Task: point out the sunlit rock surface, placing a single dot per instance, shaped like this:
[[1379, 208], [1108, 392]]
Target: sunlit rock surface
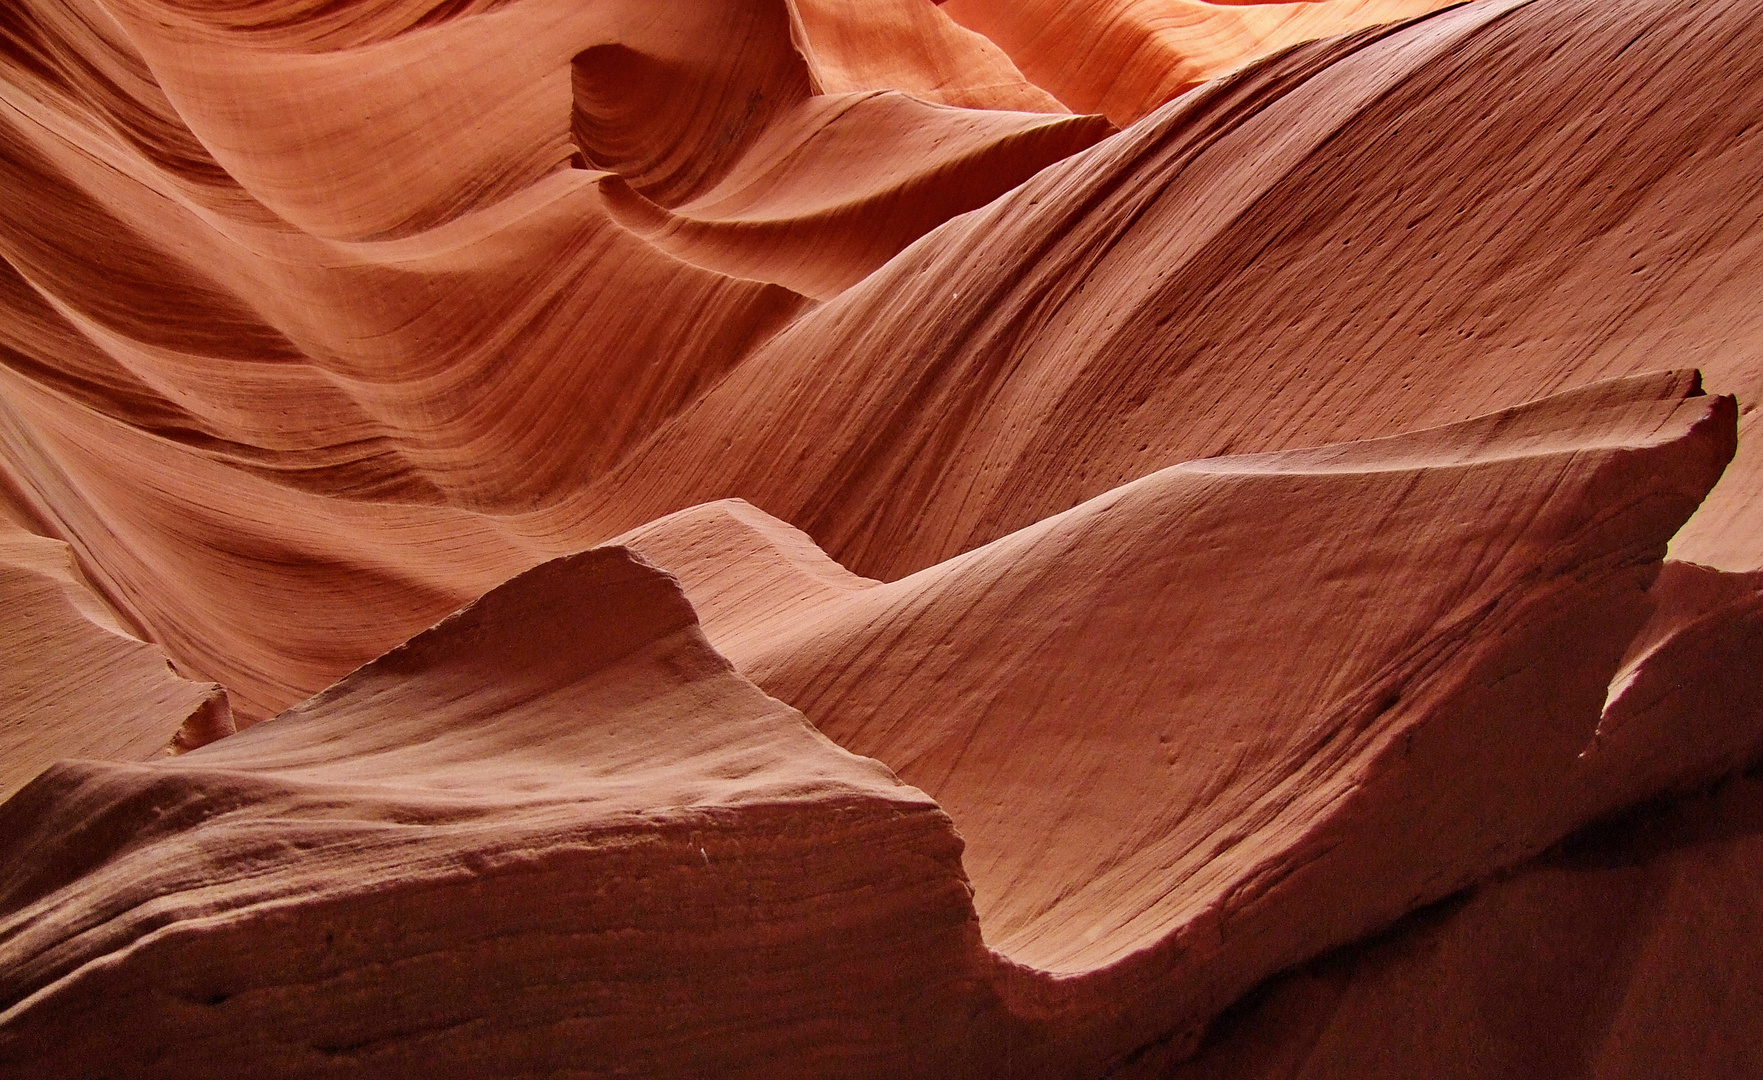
[[817, 538]]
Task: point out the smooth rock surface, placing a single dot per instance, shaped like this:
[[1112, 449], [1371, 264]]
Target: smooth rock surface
[[875, 538]]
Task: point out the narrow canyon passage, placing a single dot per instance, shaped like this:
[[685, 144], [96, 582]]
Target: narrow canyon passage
[[834, 538]]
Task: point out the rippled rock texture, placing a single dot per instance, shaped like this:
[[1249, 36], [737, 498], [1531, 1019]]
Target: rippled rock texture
[[829, 538]]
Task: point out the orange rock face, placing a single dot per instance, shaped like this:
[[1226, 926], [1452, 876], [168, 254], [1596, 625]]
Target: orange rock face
[[817, 538]]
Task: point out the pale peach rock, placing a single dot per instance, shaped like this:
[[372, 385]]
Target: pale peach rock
[[862, 537]]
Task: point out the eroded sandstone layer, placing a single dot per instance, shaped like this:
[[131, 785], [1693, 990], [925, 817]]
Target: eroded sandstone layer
[[833, 538]]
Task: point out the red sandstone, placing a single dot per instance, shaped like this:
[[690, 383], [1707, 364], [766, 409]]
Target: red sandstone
[[832, 538]]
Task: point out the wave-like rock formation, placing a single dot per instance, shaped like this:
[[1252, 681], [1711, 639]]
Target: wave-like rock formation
[[835, 538], [1123, 58], [110, 694], [566, 759]]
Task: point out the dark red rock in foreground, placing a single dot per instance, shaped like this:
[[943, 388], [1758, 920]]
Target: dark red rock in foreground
[[894, 577], [535, 795], [1627, 952]]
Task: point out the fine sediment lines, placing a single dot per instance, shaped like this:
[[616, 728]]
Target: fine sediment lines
[[554, 831], [1190, 547], [1246, 704], [940, 403], [1124, 58], [1360, 237], [280, 303], [1207, 803], [78, 684], [1346, 240]]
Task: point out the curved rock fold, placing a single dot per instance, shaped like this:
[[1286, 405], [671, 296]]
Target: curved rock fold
[[878, 538]]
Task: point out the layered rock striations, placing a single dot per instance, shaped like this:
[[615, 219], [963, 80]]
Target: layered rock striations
[[802, 537], [78, 683], [570, 727]]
